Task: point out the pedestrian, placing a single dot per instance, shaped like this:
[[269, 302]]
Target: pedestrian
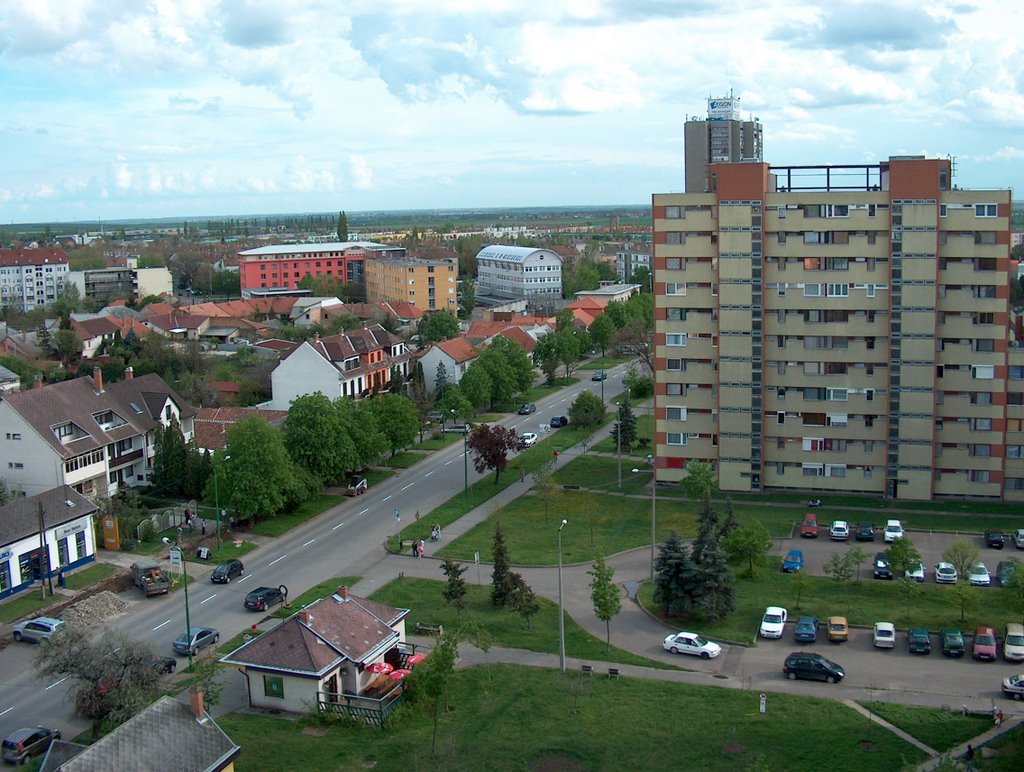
[[522, 474], [999, 717], [203, 523], [415, 549], [423, 546], [61, 580], [969, 753]]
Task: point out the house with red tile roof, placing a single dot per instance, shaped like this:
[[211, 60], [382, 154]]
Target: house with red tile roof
[[211, 424], [94, 333], [178, 326], [456, 354]]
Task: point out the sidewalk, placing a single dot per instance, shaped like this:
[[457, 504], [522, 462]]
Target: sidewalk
[[957, 753]]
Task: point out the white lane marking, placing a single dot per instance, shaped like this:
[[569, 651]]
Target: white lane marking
[[210, 598], [309, 542], [7, 711], [341, 524], [384, 499], [408, 486], [56, 683], [165, 622], [244, 578], [448, 462], [278, 560], [428, 474]]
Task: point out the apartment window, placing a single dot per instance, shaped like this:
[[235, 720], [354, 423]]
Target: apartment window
[[673, 213], [813, 290], [1013, 451], [675, 438], [780, 417], [984, 237], [979, 475], [13, 436], [981, 424], [782, 393], [1016, 373], [675, 237], [814, 470], [837, 419], [674, 365], [675, 413], [981, 451], [675, 288], [869, 421], [675, 264], [837, 395], [985, 210], [835, 470], [984, 345], [838, 290], [675, 314], [674, 389], [675, 339], [943, 208], [1012, 484], [983, 372], [782, 237]]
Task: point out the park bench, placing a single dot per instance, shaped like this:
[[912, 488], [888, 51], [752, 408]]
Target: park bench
[[429, 629]]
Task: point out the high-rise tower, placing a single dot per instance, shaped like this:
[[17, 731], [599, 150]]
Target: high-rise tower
[[722, 138]]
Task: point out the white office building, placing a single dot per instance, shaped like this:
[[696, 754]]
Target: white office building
[[518, 272]]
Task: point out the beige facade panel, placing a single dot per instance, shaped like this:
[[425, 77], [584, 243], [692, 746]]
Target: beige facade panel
[[915, 484], [959, 484]]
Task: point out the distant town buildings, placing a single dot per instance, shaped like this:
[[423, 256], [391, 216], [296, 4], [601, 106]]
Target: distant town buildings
[[631, 257], [724, 137], [283, 266], [518, 272], [430, 285], [31, 277], [128, 282]]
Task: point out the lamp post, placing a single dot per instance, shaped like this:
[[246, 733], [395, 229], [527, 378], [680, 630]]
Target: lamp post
[[561, 615], [465, 457], [654, 508], [216, 498], [184, 572], [618, 439]]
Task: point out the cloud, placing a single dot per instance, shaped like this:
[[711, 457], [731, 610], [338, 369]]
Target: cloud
[[362, 174], [255, 24]]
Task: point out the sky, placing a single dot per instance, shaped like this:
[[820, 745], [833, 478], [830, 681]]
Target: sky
[[167, 108]]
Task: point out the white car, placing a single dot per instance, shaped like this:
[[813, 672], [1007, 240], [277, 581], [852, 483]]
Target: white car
[[945, 573], [773, 622], [528, 438], [979, 576], [691, 643], [915, 571], [885, 635], [893, 531], [840, 530]]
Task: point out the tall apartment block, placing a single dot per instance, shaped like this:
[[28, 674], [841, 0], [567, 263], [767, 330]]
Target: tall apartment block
[[30, 278], [428, 284], [838, 328], [722, 138]]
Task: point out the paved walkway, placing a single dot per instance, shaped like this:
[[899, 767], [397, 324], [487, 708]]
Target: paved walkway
[[876, 719], [977, 742]]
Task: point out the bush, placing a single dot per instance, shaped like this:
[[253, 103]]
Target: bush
[[587, 410], [301, 486], [640, 386]]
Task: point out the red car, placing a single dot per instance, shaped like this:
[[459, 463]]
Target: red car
[[809, 527], [984, 644]]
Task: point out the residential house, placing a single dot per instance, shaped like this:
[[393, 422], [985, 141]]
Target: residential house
[[9, 381], [482, 333], [309, 311], [94, 332], [178, 325], [456, 355], [609, 291], [211, 424]]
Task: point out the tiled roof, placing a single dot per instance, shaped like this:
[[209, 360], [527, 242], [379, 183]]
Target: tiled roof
[[158, 309], [20, 518], [403, 310], [459, 349], [276, 344], [94, 328], [176, 321], [589, 302], [520, 336], [38, 256], [211, 424]]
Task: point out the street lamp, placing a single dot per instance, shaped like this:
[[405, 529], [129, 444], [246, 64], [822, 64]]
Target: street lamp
[[216, 499], [465, 456], [184, 572], [618, 438], [654, 506], [561, 614]]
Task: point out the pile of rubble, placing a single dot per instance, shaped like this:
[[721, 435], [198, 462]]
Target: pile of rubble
[[96, 608]]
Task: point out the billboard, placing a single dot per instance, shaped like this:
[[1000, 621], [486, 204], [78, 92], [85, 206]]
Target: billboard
[[725, 109]]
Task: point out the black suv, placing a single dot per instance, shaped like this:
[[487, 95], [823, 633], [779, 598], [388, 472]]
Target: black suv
[[263, 598], [558, 421], [994, 538], [881, 566], [526, 408], [803, 664], [226, 571]]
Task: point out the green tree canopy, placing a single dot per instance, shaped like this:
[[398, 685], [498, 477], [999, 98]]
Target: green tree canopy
[[317, 439], [605, 595], [749, 544], [397, 419], [601, 332], [438, 326], [587, 409], [476, 385], [254, 469]]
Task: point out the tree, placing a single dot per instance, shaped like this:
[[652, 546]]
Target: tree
[[605, 595], [431, 676], [636, 339], [441, 381], [170, 458], [857, 558], [454, 404], [316, 439], [907, 589], [903, 556], [700, 482], [547, 356], [840, 569], [544, 485], [455, 591], [522, 598], [114, 677], [69, 300], [674, 578], [962, 554], [490, 445], [500, 587], [966, 598], [467, 297], [397, 419], [342, 228], [67, 345], [587, 410], [476, 385], [750, 544], [509, 368], [601, 332], [253, 470], [713, 588], [1015, 586], [226, 283], [624, 430], [360, 422], [572, 344], [438, 326]]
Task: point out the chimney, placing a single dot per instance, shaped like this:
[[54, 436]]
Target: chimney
[[97, 378], [195, 699], [129, 373], [316, 338], [37, 381], [343, 592], [304, 617]]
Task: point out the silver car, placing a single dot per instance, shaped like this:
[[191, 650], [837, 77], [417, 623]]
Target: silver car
[[38, 630]]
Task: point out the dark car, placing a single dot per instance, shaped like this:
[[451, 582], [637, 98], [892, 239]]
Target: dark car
[[881, 566], [806, 630], [1004, 571], [865, 532], [952, 641], [558, 421], [526, 408], [194, 639], [919, 641], [226, 571], [600, 375], [994, 538], [263, 598], [803, 664], [22, 744]]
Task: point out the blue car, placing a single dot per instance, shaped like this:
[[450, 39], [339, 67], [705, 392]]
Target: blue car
[[806, 629], [794, 561]]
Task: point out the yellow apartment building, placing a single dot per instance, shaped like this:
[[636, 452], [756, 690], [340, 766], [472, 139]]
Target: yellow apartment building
[[430, 285]]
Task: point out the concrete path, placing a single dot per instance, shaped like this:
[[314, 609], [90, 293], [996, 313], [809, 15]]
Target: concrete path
[[977, 743], [876, 719]]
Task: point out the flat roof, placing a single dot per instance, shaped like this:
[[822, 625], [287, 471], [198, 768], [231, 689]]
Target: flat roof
[[331, 246]]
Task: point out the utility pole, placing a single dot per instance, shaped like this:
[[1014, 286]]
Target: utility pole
[[44, 556]]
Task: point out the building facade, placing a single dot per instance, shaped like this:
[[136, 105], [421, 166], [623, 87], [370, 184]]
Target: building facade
[[283, 266], [838, 329], [629, 258], [429, 285], [518, 272], [723, 138], [30, 278], [129, 283]]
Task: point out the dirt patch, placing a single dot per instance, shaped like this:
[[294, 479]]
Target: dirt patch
[[735, 748], [315, 731], [867, 745], [557, 762]]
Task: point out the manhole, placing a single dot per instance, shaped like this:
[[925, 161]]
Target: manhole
[[722, 676]]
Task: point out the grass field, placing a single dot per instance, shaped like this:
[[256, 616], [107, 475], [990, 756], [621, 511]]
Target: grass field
[[938, 729], [515, 718], [404, 460], [285, 521], [1009, 750], [644, 431], [604, 363]]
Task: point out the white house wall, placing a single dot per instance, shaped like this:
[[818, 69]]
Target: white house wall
[[429, 364], [303, 372], [40, 465], [14, 556]]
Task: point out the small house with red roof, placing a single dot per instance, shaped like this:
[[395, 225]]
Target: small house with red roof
[[456, 354], [179, 326], [211, 424]]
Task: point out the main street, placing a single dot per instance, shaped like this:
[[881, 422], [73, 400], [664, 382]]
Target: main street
[[337, 543]]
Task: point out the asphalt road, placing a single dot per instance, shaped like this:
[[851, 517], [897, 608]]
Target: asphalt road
[[337, 543]]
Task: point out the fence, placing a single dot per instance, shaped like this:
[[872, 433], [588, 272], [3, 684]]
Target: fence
[[172, 517]]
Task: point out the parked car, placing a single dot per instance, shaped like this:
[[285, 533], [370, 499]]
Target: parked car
[[809, 527], [194, 639], [994, 538], [915, 571], [952, 642], [984, 644], [1013, 643], [803, 664], [691, 643], [865, 532], [434, 416], [1018, 538], [794, 561], [979, 575], [600, 375], [838, 629], [840, 530], [357, 486], [558, 421], [773, 622], [1013, 686], [38, 630], [1004, 571], [528, 438], [945, 573], [226, 571], [22, 744], [263, 598], [884, 636], [893, 531], [806, 630], [919, 641], [880, 566], [526, 408]]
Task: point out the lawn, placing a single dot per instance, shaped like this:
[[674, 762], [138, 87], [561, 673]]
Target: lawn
[[506, 717], [321, 590], [285, 521], [439, 442], [604, 363], [504, 628], [404, 460], [644, 431], [81, 578], [941, 730], [1009, 748]]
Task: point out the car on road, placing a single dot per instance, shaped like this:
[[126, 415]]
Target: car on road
[[194, 639], [1013, 643], [357, 486], [691, 643], [806, 630], [22, 744], [526, 408], [919, 641], [558, 421], [884, 636], [1018, 538], [528, 438], [1013, 686], [1004, 571], [809, 527], [880, 566], [984, 644], [915, 571], [263, 598], [865, 532], [794, 561], [945, 573], [979, 575], [38, 630], [804, 664], [773, 622], [840, 530], [600, 375], [994, 538], [838, 629], [951, 640], [226, 571], [893, 531]]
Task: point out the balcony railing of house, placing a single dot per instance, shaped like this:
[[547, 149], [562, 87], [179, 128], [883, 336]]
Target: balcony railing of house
[[375, 711]]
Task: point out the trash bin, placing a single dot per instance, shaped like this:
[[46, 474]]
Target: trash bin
[[203, 553]]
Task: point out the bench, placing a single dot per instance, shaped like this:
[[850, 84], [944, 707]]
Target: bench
[[613, 672], [587, 669], [429, 629]]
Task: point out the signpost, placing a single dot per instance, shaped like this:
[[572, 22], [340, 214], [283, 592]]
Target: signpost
[[398, 518], [476, 559], [764, 702]]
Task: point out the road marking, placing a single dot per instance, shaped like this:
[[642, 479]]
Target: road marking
[[244, 578], [408, 486], [167, 621], [7, 711], [56, 683], [428, 474], [278, 560], [210, 598], [448, 462], [384, 499], [309, 542], [341, 524]]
